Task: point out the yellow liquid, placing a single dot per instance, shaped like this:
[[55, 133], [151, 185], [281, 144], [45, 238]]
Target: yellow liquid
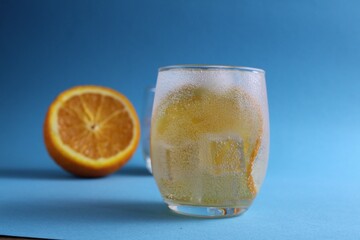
[[203, 146]]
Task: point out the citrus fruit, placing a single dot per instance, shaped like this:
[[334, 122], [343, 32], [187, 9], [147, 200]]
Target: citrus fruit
[[91, 131]]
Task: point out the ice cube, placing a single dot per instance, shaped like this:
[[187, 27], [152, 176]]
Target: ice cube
[[223, 177], [160, 156], [221, 154], [175, 169], [210, 80], [175, 162]]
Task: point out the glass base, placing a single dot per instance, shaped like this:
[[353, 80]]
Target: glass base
[[148, 164], [207, 212]]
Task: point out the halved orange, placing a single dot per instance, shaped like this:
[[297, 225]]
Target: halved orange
[[91, 131]]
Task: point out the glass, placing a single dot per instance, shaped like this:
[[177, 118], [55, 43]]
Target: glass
[[146, 123], [209, 138]]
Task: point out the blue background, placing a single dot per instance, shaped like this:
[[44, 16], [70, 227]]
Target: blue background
[[311, 53]]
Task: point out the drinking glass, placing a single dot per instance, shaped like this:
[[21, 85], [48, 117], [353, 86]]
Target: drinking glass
[[209, 138], [146, 123]]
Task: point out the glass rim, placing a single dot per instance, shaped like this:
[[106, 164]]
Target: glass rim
[[210, 66]]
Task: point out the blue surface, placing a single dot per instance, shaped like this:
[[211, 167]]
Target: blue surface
[[127, 206], [310, 50]]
